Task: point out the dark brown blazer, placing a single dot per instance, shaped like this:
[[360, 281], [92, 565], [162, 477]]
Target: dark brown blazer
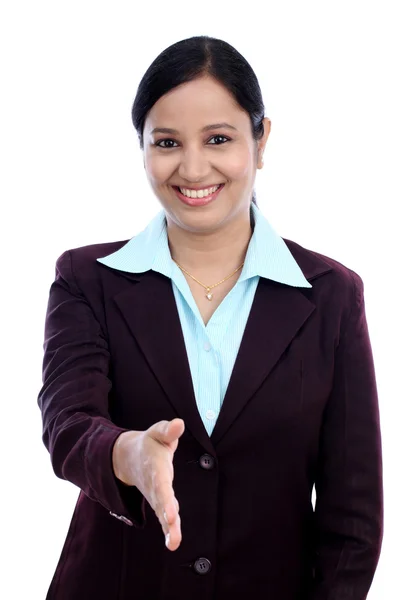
[[301, 409]]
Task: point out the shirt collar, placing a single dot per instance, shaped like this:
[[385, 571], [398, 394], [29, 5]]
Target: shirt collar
[[267, 254]]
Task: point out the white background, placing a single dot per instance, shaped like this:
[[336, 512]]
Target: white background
[[72, 175]]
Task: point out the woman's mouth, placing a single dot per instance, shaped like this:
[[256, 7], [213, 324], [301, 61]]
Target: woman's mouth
[[208, 195]]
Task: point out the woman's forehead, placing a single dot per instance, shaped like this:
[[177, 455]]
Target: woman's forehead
[[196, 104], [202, 92]]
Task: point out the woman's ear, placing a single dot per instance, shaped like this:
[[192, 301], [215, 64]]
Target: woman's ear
[[262, 142]]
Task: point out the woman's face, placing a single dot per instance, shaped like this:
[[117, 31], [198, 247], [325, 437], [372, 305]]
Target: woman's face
[[209, 143]]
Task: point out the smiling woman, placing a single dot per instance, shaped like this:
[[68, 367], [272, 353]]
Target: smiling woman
[[199, 115], [210, 370], [223, 84]]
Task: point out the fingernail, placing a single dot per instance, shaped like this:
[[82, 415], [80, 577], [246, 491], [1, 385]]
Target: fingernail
[[167, 539]]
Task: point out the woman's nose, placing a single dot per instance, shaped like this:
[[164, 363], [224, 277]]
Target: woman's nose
[[193, 166]]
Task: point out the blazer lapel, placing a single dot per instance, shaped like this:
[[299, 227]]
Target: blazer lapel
[[149, 308], [148, 305], [277, 313]]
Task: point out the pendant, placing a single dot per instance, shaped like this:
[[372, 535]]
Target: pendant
[[209, 295]]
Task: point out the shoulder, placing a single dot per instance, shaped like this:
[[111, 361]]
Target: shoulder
[[78, 270], [89, 253], [83, 259], [326, 273]]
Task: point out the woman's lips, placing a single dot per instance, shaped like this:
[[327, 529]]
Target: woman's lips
[[197, 201]]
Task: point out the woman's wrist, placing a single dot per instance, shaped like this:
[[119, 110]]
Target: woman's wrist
[[122, 446]]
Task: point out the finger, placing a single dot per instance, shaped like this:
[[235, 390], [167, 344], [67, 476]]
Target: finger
[[170, 516], [161, 482], [175, 535], [169, 519], [165, 505], [171, 512], [165, 527]]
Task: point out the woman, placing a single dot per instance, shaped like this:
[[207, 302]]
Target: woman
[[201, 377]]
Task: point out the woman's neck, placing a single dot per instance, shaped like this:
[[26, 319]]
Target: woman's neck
[[213, 255]]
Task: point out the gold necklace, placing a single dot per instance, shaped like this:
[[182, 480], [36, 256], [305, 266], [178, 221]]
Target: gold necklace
[[208, 288]]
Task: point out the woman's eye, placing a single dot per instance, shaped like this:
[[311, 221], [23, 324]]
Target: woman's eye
[[161, 141], [216, 137]]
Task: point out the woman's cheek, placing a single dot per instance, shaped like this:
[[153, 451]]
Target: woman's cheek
[[237, 165], [159, 171]]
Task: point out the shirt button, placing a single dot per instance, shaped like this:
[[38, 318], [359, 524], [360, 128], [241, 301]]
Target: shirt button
[[210, 414], [207, 346]]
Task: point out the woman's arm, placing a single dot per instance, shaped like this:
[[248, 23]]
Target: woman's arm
[[77, 429], [349, 505]]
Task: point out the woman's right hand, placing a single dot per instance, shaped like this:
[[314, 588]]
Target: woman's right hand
[[145, 459]]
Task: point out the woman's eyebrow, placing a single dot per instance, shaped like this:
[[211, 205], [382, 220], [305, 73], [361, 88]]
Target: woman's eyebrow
[[206, 128]]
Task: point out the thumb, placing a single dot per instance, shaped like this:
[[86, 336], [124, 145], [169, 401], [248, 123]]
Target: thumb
[[169, 431]]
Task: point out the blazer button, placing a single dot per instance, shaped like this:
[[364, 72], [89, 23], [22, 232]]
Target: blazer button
[[207, 461], [202, 566]]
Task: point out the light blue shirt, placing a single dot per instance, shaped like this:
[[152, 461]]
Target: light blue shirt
[[211, 349]]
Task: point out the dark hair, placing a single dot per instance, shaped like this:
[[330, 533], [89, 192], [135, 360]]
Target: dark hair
[[190, 59]]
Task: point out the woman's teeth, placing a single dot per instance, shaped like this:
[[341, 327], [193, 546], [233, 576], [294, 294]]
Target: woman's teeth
[[199, 193]]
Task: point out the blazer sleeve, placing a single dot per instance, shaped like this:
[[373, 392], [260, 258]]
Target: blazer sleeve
[[77, 429], [349, 491]]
